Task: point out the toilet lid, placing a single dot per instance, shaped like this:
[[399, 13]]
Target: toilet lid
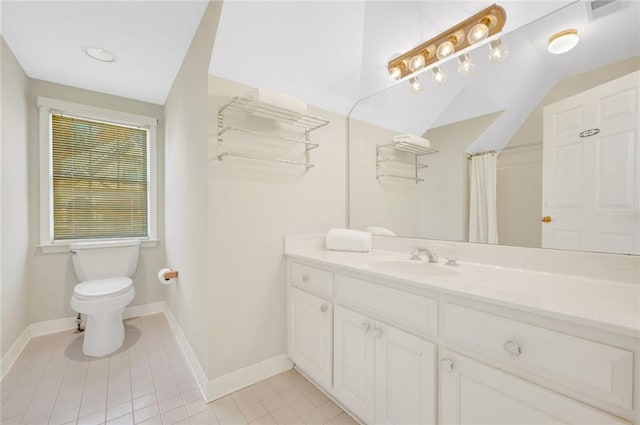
[[102, 288]]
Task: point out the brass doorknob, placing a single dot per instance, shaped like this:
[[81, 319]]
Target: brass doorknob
[[546, 219]]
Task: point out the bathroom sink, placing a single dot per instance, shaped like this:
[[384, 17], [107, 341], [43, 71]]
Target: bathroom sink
[[417, 268]]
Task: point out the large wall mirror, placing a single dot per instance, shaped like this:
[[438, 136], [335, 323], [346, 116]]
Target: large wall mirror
[[553, 139]]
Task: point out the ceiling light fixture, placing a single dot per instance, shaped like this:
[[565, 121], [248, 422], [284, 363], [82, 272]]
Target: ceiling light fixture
[[98, 53], [465, 65], [563, 41], [416, 85], [439, 76], [497, 51], [478, 27]]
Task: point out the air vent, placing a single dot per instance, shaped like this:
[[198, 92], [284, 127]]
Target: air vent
[[600, 8]]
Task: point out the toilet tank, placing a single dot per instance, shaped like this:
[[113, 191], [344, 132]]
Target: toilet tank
[[102, 260]]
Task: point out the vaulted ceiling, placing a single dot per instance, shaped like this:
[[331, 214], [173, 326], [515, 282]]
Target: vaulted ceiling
[[148, 38]]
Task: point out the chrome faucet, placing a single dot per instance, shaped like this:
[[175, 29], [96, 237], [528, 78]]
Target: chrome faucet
[[417, 250]]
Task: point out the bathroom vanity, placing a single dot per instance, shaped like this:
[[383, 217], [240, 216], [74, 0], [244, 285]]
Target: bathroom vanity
[[396, 341]]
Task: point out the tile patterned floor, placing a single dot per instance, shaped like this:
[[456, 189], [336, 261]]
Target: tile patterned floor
[[147, 381]]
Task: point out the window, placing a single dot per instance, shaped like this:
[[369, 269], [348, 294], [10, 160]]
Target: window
[[98, 179]]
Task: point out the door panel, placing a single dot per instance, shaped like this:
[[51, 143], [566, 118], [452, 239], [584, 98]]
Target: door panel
[[591, 185], [310, 335], [354, 362], [405, 378]]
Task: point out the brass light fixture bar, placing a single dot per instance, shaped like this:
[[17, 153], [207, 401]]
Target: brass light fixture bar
[[483, 24]]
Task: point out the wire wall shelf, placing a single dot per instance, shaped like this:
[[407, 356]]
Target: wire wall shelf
[[413, 150], [302, 123]]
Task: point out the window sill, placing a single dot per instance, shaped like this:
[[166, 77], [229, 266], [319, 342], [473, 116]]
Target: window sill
[[62, 247]]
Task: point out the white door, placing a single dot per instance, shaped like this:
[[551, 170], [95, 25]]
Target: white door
[[405, 378], [310, 335], [591, 184], [474, 393], [354, 362]]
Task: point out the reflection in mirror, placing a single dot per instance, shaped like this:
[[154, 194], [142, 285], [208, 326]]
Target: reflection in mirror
[[539, 150]]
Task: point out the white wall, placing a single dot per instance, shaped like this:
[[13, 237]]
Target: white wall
[[186, 187], [14, 202], [445, 196], [387, 202], [51, 276], [252, 205]]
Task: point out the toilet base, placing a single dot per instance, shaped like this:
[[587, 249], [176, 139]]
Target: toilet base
[[104, 333], [104, 330]]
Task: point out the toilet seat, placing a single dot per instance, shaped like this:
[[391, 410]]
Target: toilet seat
[[101, 288]]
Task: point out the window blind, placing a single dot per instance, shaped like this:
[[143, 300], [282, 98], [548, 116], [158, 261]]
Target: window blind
[[99, 179]]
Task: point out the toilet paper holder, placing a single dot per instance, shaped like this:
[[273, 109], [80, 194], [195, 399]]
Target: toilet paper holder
[[171, 274]]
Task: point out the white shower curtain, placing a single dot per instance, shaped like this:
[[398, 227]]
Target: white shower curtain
[[483, 222]]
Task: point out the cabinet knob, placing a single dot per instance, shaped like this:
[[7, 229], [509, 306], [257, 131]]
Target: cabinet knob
[[546, 219], [365, 326], [324, 307], [512, 348], [305, 277], [377, 332], [447, 365]]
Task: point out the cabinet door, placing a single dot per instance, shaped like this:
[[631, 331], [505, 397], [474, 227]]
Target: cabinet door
[[310, 334], [405, 378], [354, 367], [474, 393]]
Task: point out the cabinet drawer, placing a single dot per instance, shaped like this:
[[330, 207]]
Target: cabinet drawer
[[409, 311], [597, 370], [312, 279]]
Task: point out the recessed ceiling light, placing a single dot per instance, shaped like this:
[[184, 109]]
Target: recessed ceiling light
[[563, 41], [98, 53]]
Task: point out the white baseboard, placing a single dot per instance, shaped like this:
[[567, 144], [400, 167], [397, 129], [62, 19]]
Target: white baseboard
[[144, 309], [189, 354], [12, 354], [241, 378]]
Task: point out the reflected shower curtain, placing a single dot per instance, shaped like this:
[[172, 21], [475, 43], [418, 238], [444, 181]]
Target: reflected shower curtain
[[483, 221]]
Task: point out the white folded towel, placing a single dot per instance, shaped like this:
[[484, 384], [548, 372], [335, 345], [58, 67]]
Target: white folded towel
[[348, 240], [278, 99], [413, 139], [380, 231]]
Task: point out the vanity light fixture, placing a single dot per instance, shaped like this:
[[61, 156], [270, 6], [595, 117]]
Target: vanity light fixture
[[416, 85], [497, 51], [99, 54], [439, 76], [465, 65], [478, 27], [563, 41]]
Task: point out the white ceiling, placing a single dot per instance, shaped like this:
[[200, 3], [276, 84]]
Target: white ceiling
[[149, 39], [332, 53]]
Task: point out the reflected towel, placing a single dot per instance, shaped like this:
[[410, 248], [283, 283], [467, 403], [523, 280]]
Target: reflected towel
[[413, 139], [348, 240]]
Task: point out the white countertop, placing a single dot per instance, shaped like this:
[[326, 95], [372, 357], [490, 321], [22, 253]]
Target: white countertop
[[608, 305]]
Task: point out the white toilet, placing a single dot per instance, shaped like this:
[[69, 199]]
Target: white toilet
[[104, 270]]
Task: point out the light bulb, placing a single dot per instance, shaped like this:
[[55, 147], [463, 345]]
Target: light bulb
[[497, 51], [563, 41], [445, 49], [477, 33], [417, 62], [395, 72], [465, 65], [439, 76], [416, 85]]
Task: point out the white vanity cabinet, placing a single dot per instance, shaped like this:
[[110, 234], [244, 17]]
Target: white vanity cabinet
[[382, 374], [390, 354], [471, 392], [311, 335]]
